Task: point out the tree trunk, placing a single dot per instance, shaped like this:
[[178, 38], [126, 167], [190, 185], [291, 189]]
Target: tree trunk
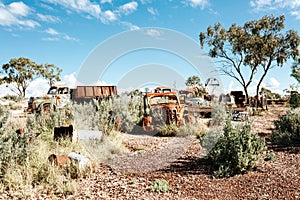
[[247, 95]]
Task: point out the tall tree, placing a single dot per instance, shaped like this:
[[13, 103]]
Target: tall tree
[[296, 70], [252, 49], [51, 72], [20, 72]]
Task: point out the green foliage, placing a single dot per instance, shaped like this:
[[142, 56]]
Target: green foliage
[[193, 81], [4, 114], [257, 45], [287, 128], [197, 129], [296, 70], [168, 130], [86, 117], [14, 149], [236, 151], [45, 122], [269, 94], [218, 115], [160, 185], [22, 71], [127, 108], [294, 100]]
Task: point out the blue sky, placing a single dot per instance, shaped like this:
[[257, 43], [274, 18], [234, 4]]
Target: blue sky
[[66, 32]]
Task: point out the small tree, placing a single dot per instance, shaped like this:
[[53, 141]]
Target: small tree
[[22, 71], [257, 46], [195, 83], [51, 72]]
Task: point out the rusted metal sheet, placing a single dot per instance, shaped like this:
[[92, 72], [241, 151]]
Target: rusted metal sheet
[[95, 91]]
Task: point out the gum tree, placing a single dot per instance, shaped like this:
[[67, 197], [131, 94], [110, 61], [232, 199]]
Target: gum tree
[[296, 70], [21, 71], [195, 83], [250, 51]]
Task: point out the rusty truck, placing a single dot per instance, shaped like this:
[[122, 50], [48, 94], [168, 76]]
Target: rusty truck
[[161, 107], [60, 95]]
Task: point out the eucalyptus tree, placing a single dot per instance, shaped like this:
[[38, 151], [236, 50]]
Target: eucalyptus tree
[[250, 51], [20, 72]]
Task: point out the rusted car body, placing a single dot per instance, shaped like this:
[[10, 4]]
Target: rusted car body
[[161, 108]]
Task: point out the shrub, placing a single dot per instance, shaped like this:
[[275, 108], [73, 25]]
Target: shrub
[[127, 108], [197, 129], [218, 114], [86, 117], [236, 151], [287, 128], [44, 122], [4, 114], [159, 186], [168, 130], [294, 100], [14, 150]]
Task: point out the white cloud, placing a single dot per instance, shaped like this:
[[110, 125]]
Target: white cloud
[[260, 5], [38, 87], [79, 6], [153, 32], [273, 83], [51, 31], [145, 1], [128, 8], [70, 80], [50, 39], [108, 16], [106, 1], [19, 8], [48, 18], [296, 14], [129, 25], [58, 36], [152, 11], [197, 3], [15, 14]]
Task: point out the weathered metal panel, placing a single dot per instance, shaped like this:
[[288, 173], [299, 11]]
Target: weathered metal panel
[[95, 91]]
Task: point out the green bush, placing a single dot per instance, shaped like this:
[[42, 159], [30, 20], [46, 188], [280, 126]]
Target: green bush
[[236, 151], [86, 117], [127, 108], [159, 186], [294, 100], [218, 114], [14, 150], [168, 130], [287, 128]]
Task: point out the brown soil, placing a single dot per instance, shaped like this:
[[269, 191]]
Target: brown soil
[[178, 160]]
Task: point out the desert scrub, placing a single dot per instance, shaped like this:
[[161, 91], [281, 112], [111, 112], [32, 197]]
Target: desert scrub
[[218, 115], [160, 186], [44, 122], [86, 117], [294, 100], [126, 108], [237, 150], [106, 148], [287, 128], [14, 150], [4, 114], [35, 175], [196, 129], [168, 130]]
